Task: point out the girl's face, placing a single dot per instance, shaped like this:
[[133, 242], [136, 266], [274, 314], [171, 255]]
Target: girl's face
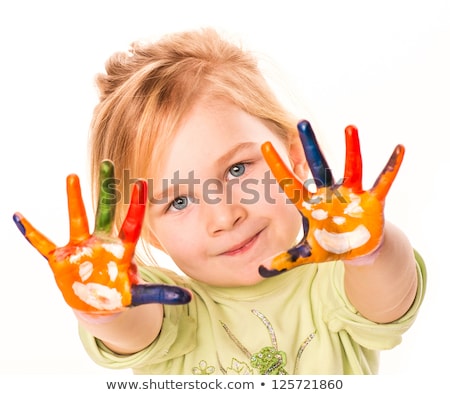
[[217, 210]]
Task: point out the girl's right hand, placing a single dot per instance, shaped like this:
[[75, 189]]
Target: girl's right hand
[[96, 272]]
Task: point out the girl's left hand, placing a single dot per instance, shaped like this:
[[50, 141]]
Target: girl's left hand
[[340, 220]]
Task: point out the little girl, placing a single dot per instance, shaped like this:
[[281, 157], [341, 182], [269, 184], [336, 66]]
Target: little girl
[[186, 116]]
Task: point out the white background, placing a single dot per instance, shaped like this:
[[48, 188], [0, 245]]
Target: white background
[[383, 66]]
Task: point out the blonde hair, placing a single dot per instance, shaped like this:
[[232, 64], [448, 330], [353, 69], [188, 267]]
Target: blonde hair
[[147, 90]]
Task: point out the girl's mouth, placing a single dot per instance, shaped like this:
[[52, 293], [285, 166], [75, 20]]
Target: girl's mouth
[[242, 247]]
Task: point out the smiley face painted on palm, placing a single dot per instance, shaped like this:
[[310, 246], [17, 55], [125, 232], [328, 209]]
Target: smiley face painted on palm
[[341, 220], [96, 272]]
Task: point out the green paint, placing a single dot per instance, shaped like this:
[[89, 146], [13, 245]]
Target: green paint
[[107, 199]]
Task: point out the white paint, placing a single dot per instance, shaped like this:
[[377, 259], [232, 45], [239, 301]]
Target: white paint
[[338, 220], [80, 252], [319, 214], [85, 270], [306, 205], [98, 295], [116, 249], [338, 243], [113, 270], [354, 209]]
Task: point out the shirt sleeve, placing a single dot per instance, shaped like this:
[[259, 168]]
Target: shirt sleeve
[[344, 317], [175, 339]]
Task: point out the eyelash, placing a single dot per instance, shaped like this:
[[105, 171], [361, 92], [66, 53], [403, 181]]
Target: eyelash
[[172, 207]]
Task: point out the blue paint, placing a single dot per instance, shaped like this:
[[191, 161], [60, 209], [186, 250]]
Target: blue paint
[[19, 224], [266, 273], [302, 250], [158, 293], [316, 161]]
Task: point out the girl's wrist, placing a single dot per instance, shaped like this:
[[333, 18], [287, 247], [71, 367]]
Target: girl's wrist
[[367, 259], [96, 318]]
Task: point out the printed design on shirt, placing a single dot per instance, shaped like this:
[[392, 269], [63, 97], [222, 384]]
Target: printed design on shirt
[[203, 369], [237, 367], [267, 361]]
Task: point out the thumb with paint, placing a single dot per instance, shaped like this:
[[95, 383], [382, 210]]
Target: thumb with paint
[[340, 220], [96, 273]]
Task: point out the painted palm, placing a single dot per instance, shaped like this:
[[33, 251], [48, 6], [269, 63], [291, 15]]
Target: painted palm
[[340, 220], [96, 272]]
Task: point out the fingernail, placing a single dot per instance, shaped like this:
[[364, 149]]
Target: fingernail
[[17, 220]]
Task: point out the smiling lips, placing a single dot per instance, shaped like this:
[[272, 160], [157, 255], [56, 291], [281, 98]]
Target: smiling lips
[[242, 247]]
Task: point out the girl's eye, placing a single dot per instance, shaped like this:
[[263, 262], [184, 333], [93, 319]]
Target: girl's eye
[[179, 203], [237, 170]]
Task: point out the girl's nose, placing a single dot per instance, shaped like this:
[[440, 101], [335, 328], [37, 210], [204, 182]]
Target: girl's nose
[[223, 216]]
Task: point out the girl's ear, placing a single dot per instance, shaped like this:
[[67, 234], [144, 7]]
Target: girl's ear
[[298, 159]]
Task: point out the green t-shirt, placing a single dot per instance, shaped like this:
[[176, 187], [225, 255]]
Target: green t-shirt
[[299, 322]]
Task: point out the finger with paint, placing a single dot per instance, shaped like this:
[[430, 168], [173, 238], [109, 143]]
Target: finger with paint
[[96, 272], [340, 220]]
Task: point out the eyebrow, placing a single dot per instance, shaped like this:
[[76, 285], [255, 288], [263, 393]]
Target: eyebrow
[[226, 158]]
